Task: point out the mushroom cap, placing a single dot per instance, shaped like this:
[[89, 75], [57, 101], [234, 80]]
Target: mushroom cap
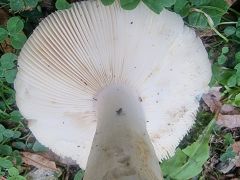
[[75, 53]]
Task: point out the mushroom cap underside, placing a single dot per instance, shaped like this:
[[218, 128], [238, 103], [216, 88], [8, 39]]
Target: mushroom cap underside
[[73, 54]]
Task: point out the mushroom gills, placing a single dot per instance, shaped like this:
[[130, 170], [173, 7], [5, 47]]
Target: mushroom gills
[[121, 148], [95, 68]]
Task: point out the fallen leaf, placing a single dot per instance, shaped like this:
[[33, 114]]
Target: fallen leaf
[[3, 17], [38, 161], [6, 46], [236, 147], [229, 121], [212, 99], [205, 33], [229, 110]]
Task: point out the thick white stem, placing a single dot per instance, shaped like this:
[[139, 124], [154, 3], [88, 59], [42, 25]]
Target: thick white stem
[[121, 148]]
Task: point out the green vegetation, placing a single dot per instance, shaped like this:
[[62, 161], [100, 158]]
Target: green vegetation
[[20, 17], [226, 70], [188, 162]]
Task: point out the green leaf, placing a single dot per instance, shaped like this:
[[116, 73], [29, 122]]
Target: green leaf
[[174, 163], [17, 157], [5, 150], [129, 4], [228, 139], [187, 163], [16, 116], [237, 56], [2, 173], [13, 171], [4, 163], [238, 22], [225, 50], [10, 75], [238, 32], [19, 145], [2, 129], [214, 9], [18, 40], [11, 99], [237, 67], [107, 2], [18, 177], [7, 60], [237, 99], [229, 154], [198, 20], [232, 81], [167, 3], [17, 134], [3, 34], [1, 138], [31, 3], [221, 74], [222, 59], [238, 80], [8, 133], [79, 175], [15, 25], [17, 5], [62, 4], [37, 147], [200, 154], [182, 7], [154, 5], [200, 2], [29, 145], [229, 30]]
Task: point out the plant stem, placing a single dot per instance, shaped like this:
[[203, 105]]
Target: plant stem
[[211, 23], [235, 40], [225, 23], [234, 11]]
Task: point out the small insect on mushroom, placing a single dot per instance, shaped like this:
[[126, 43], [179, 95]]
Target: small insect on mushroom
[[119, 122]]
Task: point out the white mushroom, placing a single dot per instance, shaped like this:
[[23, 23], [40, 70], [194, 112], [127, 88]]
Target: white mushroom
[[133, 77]]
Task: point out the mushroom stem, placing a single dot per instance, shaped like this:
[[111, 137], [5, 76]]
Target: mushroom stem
[[121, 148]]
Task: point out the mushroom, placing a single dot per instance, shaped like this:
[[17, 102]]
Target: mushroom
[[114, 90]]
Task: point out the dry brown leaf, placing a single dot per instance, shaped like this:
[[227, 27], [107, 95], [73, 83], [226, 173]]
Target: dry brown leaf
[[205, 33], [6, 46], [236, 147], [229, 121], [229, 110], [212, 99], [3, 17], [38, 161]]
